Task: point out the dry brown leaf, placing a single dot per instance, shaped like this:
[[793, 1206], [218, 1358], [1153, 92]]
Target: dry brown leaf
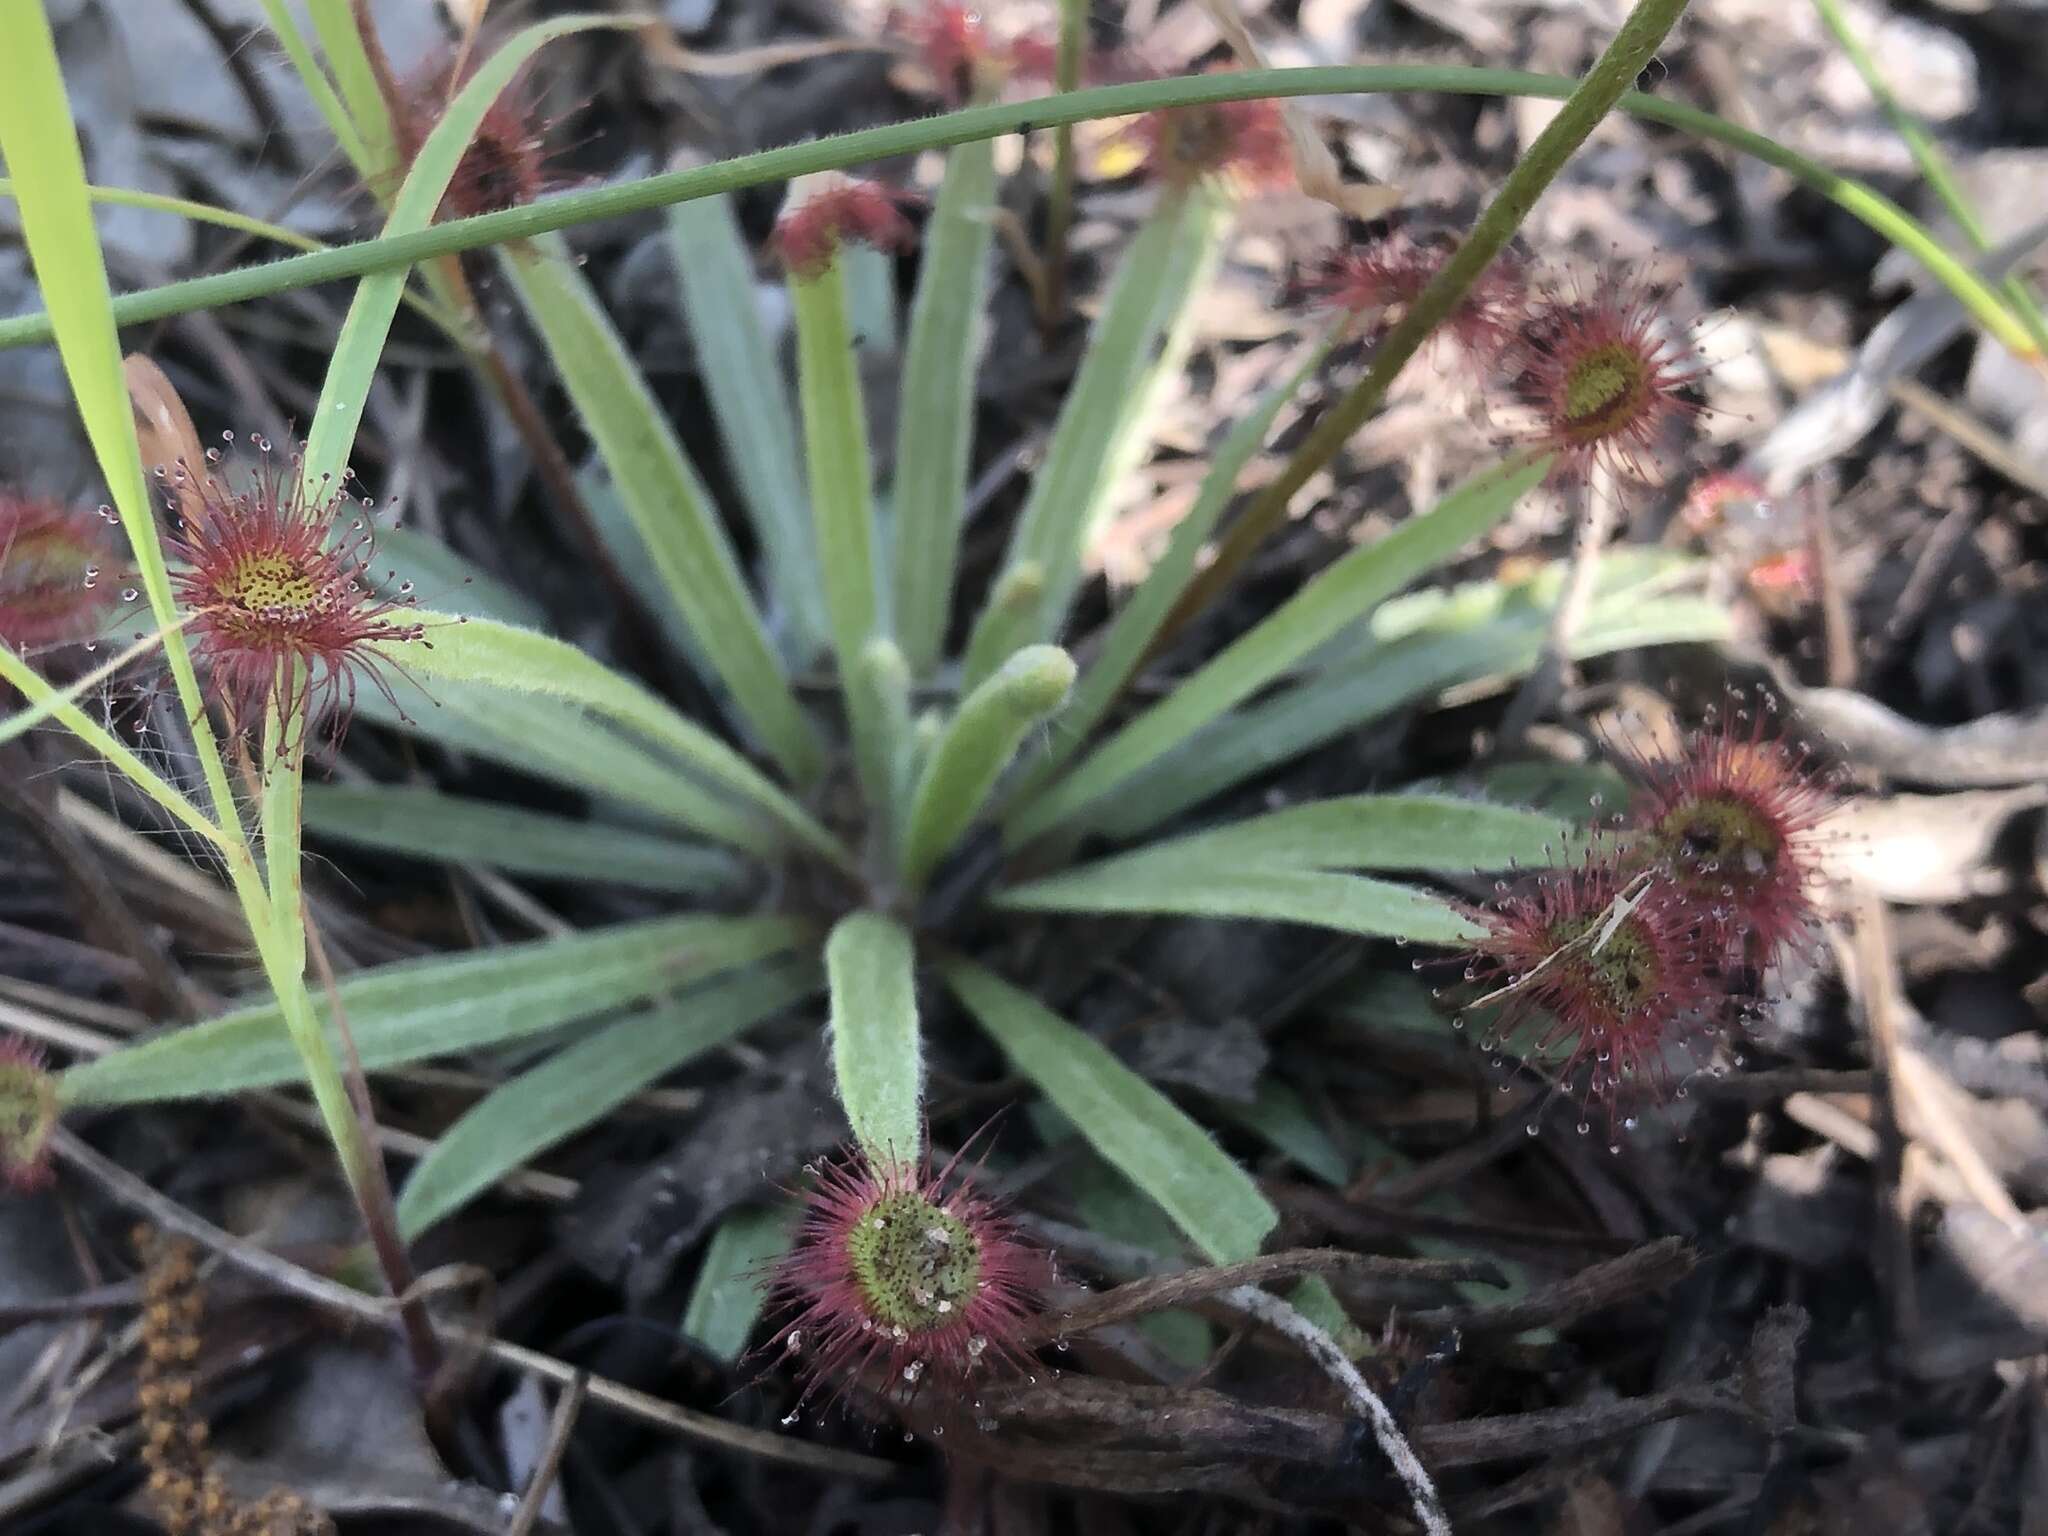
[[1314, 166]]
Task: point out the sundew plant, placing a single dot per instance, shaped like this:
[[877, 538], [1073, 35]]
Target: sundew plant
[[866, 861]]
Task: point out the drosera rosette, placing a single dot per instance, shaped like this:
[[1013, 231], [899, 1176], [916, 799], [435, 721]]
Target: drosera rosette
[[1373, 283], [830, 210], [506, 162], [28, 1115], [1606, 373], [1734, 820], [903, 1279], [58, 573], [1242, 144], [964, 55], [1766, 539], [274, 578], [1613, 962]]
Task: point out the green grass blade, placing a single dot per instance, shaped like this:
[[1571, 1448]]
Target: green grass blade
[[426, 824], [1092, 440], [1934, 166], [1366, 684], [577, 1087], [877, 1052], [49, 698], [356, 81], [1317, 898], [843, 151], [743, 378], [1137, 1129], [976, 746], [438, 1006], [345, 391], [731, 1289], [39, 142], [480, 651], [1337, 596], [318, 86], [842, 501], [42, 696], [1136, 624], [667, 502], [935, 417], [1110, 1205]]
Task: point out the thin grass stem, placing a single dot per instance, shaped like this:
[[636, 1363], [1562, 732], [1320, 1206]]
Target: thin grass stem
[[841, 151]]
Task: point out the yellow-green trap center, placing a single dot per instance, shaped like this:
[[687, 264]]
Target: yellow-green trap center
[[275, 586], [1719, 839], [1603, 389], [916, 1266], [1624, 972]]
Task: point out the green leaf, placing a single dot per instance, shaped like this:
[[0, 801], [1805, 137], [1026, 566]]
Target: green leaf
[[743, 378], [870, 299], [1136, 1128], [1278, 1114], [1579, 792], [883, 679], [1338, 595], [935, 418], [727, 1299], [438, 1006], [877, 1053], [1402, 832], [1105, 409], [977, 745], [578, 1086], [1109, 1204], [1347, 903], [426, 824], [335, 22], [550, 738], [842, 503], [321, 89], [481, 651], [659, 488], [447, 581], [1137, 623], [1463, 642]]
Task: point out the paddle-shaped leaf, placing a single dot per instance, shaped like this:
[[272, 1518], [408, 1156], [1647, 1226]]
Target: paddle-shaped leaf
[[577, 1087], [743, 379], [1337, 596], [1102, 417], [877, 1053], [437, 1006], [728, 1295], [935, 420], [660, 490], [426, 824], [1136, 1128], [482, 651]]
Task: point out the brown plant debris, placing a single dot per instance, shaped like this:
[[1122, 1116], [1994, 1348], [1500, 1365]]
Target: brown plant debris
[[185, 1491]]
